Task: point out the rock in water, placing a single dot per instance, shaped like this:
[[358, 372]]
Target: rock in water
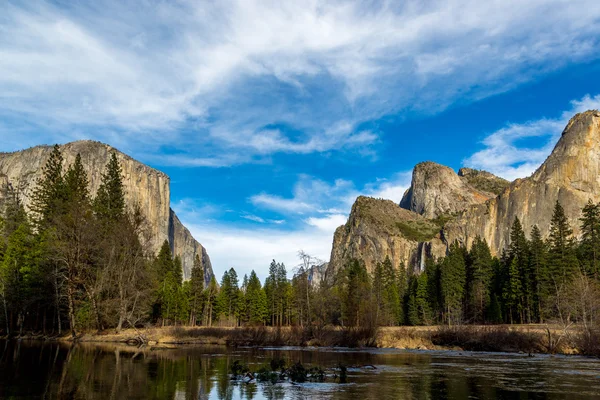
[[144, 186]]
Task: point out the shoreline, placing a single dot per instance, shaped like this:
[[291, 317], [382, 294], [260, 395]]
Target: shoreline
[[530, 339]]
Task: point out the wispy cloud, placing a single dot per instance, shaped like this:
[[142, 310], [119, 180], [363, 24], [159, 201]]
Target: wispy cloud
[[252, 217], [312, 214], [503, 154], [238, 76], [253, 249]]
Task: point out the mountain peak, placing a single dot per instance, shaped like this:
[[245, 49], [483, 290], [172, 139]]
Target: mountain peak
[[437, 190]]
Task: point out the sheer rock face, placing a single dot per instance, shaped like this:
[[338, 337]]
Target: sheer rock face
[[144, 186], [481, 204], [571, 175], [437, 190], [317, 274], [377, 229]]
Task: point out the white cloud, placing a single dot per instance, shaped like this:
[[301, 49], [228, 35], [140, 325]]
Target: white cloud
[[278, 203], [231, 77], [255, 218], [316, 209], [328, 223], [504, 156], [252, 249], [310, 195]]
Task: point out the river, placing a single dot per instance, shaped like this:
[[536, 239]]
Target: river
[[50, 370]]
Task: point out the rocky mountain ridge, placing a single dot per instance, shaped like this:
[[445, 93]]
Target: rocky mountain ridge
[[436, 190], [473, 203], [144, 186]]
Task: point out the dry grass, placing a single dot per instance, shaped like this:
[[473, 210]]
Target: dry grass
[[508, 338], [246, 336], [490, 338]]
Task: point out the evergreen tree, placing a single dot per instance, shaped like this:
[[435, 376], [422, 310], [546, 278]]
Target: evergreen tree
[[163, 264], [513, 292], [562, 260], [519, 251], [589, 248], [77, 193], [357, 289], [402, 285], [48, 194], [228, 297], [74, 241], [256, 307], [210, 302], [178, 270], [20, 277], [538, 261], [196, 291], [452, 283], [422, 299], [479, 278], [109, 203], [272, 292], [413, 316]]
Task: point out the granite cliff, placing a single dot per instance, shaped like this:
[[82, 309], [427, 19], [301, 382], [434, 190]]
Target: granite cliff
[[437, 190], [378, 228], [145, 186], [442, 207], [570, 175]]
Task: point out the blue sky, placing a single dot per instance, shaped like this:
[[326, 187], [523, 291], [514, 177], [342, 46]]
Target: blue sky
[[271, 117]]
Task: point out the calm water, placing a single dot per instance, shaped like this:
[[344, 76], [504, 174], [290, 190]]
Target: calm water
[[59, 371]]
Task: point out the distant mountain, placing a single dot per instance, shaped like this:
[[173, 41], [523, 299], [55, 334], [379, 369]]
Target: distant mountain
[[145, 186], [442, 207]]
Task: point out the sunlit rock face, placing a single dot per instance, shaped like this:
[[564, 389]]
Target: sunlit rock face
[[570, 175], [442, 207], [437, 190], [145, 187], [377, 229]]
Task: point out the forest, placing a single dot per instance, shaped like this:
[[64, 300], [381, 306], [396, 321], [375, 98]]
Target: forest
[[76, 262]]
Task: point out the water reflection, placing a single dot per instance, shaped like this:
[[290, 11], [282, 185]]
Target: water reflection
[[90, 371]]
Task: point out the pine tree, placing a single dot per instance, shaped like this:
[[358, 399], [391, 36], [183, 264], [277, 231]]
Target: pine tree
[[422, 299], [357, 289], [402, 285], [563, 262], [452, 283], [74, 240], [48, 194], [589, 247], [178, 270], [76, 186], [513, 291], [109, 203], [228, 297], [519, 250], [272, 292], [210, 302], [538, 261], [479, 277], [20, 276], [163, 264], [196, 291], [257, 310], [391, 293], [413, 316]]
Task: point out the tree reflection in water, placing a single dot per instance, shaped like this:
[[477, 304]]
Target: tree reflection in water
[[97, 371]]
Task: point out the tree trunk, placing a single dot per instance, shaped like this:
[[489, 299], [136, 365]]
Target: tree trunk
[[71, 302]]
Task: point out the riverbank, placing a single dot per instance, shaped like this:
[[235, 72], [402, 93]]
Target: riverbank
[[495, 338]]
